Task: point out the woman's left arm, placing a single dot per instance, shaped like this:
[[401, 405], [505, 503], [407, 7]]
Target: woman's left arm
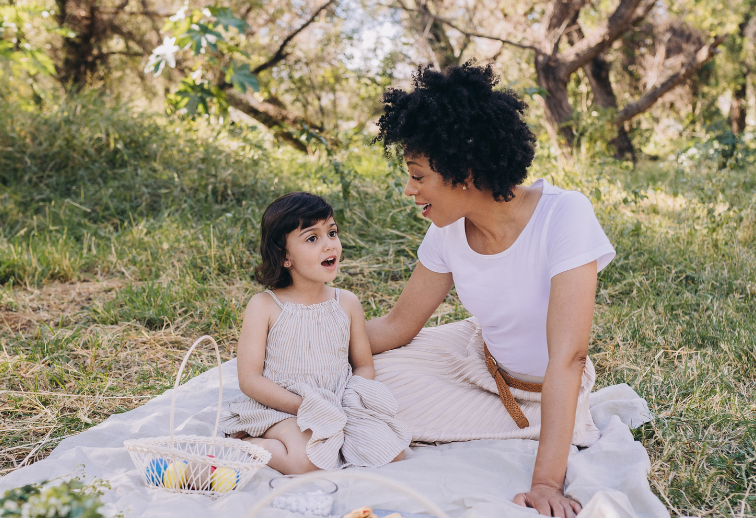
[[568, 327]]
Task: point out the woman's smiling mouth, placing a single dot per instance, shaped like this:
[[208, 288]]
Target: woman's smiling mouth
[[426, 209]]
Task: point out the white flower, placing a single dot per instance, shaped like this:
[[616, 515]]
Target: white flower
[[196, 75], [163, 54], [180, 15]]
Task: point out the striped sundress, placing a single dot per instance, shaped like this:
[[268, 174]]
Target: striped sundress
[[352, 418]]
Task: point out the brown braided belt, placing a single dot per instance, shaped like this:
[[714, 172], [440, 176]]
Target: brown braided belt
[[503, 382]]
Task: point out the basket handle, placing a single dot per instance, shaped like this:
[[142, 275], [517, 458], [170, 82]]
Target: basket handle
[[220, 384], [351, 475]]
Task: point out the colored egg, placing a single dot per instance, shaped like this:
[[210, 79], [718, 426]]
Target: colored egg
[[198, 476], [175, 475], [224, 479], [155, 470]]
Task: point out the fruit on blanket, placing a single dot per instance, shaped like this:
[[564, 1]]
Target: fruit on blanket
[[175, 475], [224, 480], [155, 470], [362, 512]]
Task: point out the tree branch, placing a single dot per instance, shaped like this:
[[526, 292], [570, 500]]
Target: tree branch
[[627, 13], [644, 103], [281, 54], [470, 34], [271, 116]]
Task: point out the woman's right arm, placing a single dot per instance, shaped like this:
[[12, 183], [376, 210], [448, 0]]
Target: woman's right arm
[[423, 293], [250, 358]]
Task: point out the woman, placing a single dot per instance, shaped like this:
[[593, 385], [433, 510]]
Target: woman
[[524, 260]]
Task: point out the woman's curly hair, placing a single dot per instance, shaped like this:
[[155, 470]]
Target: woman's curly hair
[[462, 125]]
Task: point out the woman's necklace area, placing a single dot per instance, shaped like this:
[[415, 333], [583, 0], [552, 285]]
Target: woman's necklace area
[[476, 239]]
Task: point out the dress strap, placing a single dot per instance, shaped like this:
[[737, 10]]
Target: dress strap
[[275, 298], [337, 294]]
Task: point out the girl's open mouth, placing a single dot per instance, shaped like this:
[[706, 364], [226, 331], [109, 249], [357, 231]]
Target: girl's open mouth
[[330, 262]]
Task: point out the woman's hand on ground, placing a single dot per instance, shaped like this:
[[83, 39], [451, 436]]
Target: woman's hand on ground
[[548, 501]]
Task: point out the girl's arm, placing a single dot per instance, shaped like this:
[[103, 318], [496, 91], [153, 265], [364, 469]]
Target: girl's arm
[[360, 355], [423, 293], [568, 327], [251, 358]]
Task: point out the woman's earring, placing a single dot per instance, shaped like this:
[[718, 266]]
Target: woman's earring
[[464, 187]]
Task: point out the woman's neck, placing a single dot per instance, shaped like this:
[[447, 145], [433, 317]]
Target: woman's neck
[[493, 226]]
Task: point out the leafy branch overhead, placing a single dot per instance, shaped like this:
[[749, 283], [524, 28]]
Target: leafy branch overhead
[[220, 73], [212, 36], [15, 46]]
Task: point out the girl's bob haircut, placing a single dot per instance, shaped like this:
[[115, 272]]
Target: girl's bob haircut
[[288, 213]]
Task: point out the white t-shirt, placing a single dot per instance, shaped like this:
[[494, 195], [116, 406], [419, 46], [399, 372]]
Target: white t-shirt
[[508, 292]]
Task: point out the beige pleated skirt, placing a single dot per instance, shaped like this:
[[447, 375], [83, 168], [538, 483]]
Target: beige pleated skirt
[[445, 392]]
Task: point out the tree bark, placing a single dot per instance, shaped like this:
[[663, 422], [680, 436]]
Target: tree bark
[[554, 68], [633, 109], [738, 103], [597, 72], [276, 118], [79, 62], [556, 103], [738, 106]]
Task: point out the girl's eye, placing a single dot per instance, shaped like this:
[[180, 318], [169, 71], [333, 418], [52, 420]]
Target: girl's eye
[[333, 233], [312, 239]]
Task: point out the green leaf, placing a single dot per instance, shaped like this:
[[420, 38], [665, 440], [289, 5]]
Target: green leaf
[[199, 36], [34, 61], [197, 98], [225, 18], [179, 27], [242, 78]]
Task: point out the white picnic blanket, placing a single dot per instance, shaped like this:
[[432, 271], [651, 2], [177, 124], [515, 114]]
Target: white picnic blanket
[[475, 479]]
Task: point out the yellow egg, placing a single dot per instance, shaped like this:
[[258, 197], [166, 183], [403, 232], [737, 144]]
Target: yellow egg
[[224, 479], [175, 475]]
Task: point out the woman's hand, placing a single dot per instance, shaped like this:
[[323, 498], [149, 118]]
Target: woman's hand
[[549, 501]]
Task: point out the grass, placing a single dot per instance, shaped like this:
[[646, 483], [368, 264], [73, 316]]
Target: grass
[[125, 237]]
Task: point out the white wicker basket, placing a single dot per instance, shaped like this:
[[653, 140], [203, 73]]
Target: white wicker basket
[[191, 464]]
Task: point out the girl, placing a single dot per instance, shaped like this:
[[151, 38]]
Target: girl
[[304, 359]]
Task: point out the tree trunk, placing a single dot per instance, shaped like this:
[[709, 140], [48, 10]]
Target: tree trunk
[[554, 68], [556, 104], [79, 62], [597, 71], [738, 102], [441, 45], [738, 107]]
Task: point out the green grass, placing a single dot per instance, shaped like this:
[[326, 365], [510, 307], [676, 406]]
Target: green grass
[[125, 236]]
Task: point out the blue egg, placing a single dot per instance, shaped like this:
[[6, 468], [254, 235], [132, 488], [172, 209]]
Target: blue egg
[[155, 471]]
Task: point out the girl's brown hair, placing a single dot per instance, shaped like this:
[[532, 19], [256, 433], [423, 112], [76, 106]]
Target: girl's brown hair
[[288, 213]]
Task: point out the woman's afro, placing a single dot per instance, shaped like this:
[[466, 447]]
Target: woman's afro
[[457, 120]]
